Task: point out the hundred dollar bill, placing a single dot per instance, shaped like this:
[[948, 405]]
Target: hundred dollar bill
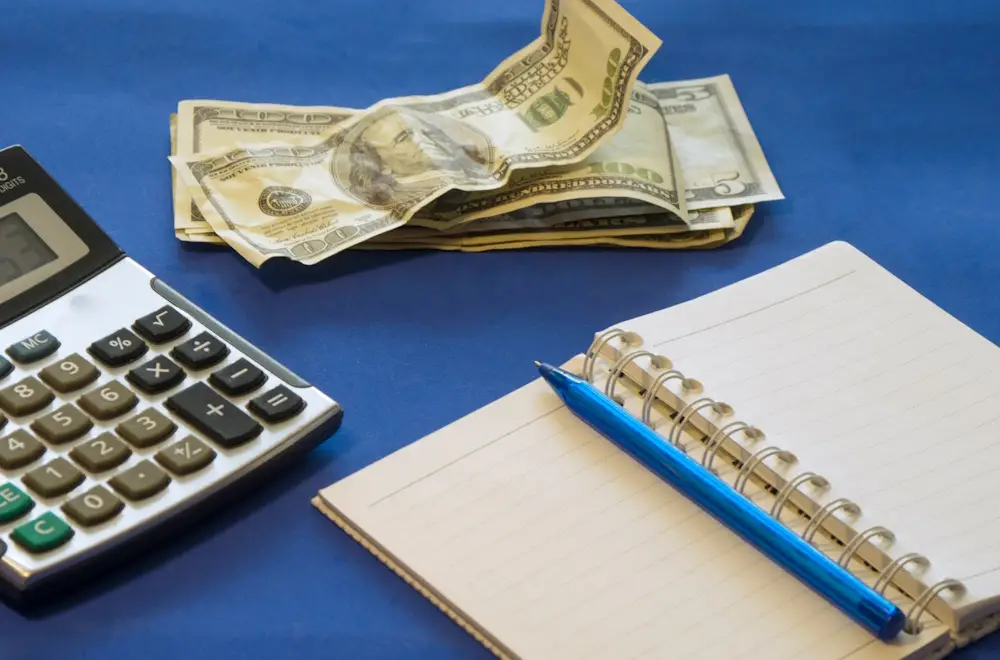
[[551, 103], [722, 160], [638, 163]]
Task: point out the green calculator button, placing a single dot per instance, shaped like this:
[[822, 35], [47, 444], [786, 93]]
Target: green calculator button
[[43, 533], [14, 503]]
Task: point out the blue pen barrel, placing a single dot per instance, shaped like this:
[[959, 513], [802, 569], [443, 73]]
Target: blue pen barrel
[[849, 594]]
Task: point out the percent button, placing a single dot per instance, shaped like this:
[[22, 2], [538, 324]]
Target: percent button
[[118, 348]]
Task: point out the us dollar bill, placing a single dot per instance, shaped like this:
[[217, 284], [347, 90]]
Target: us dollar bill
[[638, 163], [720, 155], [552, 103]]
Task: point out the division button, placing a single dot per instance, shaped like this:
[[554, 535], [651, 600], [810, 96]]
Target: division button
[[34, 348], [163, 325], [141, 481], [118, 348], [94, 507], [69, 374], [201, 352], [211, 414]]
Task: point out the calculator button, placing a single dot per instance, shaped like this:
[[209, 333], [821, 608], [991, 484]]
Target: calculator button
[[95, 506], [141, 481], [118, 348], [28, 396], [238, 378], [187, 456], [146, 429], [46, 532], [109, 401], [277, 405], [69, 374], [55, 478], [14, 503], [163, 325], [208, 412], [18, 449], [5, 368], [158, 375], [201, 352], [63, 425], [101, 453], [34, 348]]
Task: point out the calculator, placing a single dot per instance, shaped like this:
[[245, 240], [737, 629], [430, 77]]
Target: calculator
[[125, 409]]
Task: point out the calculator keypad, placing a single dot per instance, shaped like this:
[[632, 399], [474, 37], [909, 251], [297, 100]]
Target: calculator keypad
[[94, 434]]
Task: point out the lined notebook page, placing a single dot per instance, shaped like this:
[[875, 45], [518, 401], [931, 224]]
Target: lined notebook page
[[558, 545], [870, 385]]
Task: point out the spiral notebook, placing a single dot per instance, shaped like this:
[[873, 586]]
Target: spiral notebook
[[825, 389]]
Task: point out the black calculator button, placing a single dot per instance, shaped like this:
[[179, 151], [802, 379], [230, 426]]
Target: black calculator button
[[141, 481], [238, 378], [109, 401], [101, 453], [206, 410], [201, 352], [163, 325], [18, 449], [187, 456], [5, 368], [69, 374], [94, 507], [118, 348], [26, 397], [34, 348], [146, 429], [55, 478], [64, 425], [277, 405], [158, 375]]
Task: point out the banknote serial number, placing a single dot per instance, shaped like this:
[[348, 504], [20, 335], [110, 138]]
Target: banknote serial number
[[9, 181]]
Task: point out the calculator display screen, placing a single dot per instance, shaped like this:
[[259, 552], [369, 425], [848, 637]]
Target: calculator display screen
[[21, 249]]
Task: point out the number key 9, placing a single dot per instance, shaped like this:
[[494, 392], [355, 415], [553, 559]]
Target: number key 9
[[69, 374]]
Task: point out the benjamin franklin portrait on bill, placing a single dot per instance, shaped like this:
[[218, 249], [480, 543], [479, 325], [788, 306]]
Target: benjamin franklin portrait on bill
[[397, 153]]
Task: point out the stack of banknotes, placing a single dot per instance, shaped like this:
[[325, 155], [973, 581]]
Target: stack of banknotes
[[561, 145]]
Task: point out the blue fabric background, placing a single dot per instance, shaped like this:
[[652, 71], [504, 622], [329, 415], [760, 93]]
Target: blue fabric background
[[879, 120]]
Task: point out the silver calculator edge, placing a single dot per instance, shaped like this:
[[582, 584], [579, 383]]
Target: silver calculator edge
[[112, 299]]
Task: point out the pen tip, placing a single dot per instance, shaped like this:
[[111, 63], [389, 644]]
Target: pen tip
[[537, 363]]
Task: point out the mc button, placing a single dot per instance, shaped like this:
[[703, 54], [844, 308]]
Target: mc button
[[34, 348]]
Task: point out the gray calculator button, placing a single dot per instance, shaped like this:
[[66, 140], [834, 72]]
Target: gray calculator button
[[34, 348], [94, 507], [146, 429], [26, 397], [69, 374], [18, 449], [55, 478], [64, 425], [187, 456], [101, 453], [141, 481], [109, 401]]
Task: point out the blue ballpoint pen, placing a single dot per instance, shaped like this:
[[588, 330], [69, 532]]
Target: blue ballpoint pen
[[852, 596]]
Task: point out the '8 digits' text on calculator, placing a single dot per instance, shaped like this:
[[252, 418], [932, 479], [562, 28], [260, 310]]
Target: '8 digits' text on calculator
[[125, 410]]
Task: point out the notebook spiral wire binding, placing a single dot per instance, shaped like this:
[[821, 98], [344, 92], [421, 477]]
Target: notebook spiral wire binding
[[630, 350]]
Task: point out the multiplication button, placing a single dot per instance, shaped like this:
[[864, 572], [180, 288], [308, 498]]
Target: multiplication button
[[158, 375]]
